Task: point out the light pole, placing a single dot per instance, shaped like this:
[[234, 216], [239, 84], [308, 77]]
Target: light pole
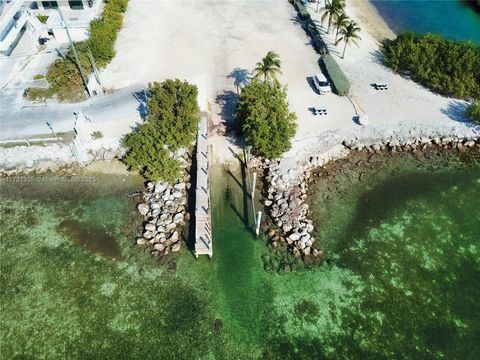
[[49, 124]]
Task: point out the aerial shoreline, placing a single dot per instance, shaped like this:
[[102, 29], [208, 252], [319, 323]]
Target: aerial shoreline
[[372, 19]]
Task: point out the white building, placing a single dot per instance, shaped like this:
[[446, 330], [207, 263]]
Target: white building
[[20, 16]]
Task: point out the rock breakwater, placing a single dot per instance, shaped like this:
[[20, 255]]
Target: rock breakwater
[[164, 209], [287, 183]]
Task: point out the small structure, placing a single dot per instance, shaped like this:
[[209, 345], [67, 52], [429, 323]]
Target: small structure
[[203, 227]]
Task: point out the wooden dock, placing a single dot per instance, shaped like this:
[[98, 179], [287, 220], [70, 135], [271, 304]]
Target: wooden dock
[[203, 226]]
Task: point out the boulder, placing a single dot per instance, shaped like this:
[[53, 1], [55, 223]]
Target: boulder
[[180, 186], [147, 235], [141, 241], [171, 226], [294, 236], [177, 195], [178, 218], [150, 227], [174, 237], [143, 208], [160, 187], [159, 247], [176, 247]]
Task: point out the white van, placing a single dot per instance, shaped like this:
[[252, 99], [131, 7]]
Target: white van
[[322, 84]]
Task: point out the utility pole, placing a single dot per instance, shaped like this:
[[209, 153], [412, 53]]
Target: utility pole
[[82, 74], [94, 65]]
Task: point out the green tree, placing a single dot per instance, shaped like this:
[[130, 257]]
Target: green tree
[[340, 22], [349, 34], [264, 117], [331, 11], [269, 67], [473, 112], [447, 67], [172, 124]]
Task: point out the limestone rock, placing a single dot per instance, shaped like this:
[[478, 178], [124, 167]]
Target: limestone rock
[[143, 208], [141, 241], [150, 227]]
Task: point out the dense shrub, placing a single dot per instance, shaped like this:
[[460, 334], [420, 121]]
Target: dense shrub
[[310, 28], [64, 75], [473, 112], [172, 124], [301, 9], [337, 78], [447, 67], [264, 117]]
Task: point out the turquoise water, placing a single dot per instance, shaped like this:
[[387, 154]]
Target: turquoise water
[[401, 280], [454, 19]]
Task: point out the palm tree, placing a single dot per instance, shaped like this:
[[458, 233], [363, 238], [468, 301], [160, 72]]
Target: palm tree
[[349, 34], [339, 23], [269, 67], [332, 10]]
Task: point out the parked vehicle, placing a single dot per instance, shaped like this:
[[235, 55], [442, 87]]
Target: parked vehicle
[[321, 84]]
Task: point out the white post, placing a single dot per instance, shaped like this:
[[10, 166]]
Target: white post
[[259, 220], [254, 182], [28, 142]]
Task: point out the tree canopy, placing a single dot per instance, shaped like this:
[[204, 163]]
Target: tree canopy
[[269, 67], [473, 112], [265, 119], [172, 124], [447, 67]]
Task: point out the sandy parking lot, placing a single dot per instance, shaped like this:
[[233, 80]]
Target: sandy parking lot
[[205, 41]]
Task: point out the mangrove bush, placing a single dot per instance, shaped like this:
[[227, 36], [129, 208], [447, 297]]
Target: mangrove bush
[[264, 118], [172, 124], [473, 112], [447, 67]]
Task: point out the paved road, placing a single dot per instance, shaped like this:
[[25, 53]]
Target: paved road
[[19, 119]]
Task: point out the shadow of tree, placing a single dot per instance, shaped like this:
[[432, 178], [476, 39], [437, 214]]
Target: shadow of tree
[[378, 57], [142, 97], [241, 77], [455, 110]]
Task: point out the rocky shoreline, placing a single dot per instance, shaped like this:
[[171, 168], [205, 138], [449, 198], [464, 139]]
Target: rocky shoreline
[[164, 210], [37, 160], [289, 222]]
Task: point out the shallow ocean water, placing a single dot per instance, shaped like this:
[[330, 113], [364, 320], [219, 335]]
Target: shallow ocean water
[[401, 279], [454, 19]]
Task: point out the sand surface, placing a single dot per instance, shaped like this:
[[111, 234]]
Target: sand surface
[[215, 44]]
